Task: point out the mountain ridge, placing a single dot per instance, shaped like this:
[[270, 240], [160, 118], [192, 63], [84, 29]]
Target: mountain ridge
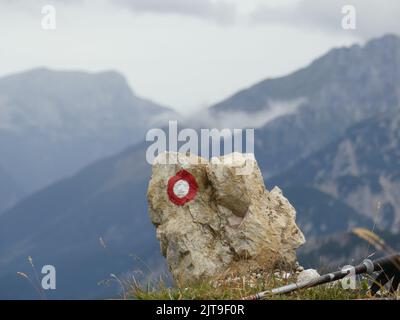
[[363, 82], [53, 123], [269, 85], [63, 222]]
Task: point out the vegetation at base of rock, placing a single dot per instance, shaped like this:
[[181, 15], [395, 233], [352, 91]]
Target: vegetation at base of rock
[[241, 289]]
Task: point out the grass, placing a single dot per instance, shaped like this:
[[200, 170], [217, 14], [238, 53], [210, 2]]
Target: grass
[[233, 286], [234, 290]]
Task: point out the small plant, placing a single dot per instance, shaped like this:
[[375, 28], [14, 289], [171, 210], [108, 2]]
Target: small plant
[[35, 284]]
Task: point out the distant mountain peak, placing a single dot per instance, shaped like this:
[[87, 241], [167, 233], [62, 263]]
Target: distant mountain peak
[[337, 67], [63, 120], [45, 72], [387, 39]]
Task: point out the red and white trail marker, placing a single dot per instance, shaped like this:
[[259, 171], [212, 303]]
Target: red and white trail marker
[[182, 188]]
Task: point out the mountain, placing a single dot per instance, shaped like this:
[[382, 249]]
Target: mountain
[[53, 123], [361, 169], [320, 214], [9, 190], [337, 250], [62, 223], [311, 107]]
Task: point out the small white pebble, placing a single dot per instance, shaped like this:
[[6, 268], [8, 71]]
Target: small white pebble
[[307, 275]]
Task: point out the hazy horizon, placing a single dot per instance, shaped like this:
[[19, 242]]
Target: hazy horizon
[[210, 49]]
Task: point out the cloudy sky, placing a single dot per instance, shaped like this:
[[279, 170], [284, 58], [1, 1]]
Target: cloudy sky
[[185, 53]]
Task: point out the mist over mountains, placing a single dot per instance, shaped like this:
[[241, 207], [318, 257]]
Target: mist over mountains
[[335, 154], [343, 87]]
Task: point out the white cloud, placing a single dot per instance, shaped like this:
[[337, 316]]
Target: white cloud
[[223, 11], [241, 119], [217, 10], [180, 52], [374, 18]]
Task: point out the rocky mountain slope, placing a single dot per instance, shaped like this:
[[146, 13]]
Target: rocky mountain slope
[[62, 223], [53, 123], [320, 102], [337, 250], [320, 215], [361, 169], [9, 190]]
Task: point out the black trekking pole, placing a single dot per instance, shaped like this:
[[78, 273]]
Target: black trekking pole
[[388, 268]]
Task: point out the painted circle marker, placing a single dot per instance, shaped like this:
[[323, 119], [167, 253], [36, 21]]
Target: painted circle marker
[[182, 188]]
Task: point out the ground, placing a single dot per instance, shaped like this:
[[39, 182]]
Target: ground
[[235, 287]]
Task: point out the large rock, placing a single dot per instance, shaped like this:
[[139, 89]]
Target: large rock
[[232, 224]]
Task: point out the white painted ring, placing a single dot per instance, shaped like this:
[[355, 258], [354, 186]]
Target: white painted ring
[[181, 188]]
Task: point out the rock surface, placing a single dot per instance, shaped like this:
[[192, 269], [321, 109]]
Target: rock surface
[[307, 275], [232, 224]]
